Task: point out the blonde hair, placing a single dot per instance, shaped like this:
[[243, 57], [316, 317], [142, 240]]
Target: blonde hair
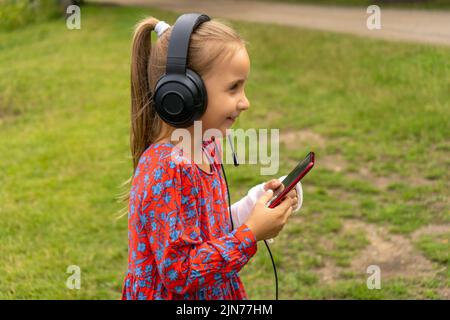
[[210, 43]]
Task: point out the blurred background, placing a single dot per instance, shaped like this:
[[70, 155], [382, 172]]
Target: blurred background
[[373, 104]]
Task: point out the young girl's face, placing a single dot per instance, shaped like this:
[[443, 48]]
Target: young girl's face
[[226, 95]]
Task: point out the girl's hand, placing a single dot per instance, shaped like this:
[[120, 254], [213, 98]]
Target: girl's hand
[[266, 223], [277, 187]]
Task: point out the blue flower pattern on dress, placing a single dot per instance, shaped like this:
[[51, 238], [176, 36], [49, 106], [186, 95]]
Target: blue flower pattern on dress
[[180, 240]]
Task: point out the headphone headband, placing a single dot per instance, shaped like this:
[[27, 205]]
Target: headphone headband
[[179, 41]]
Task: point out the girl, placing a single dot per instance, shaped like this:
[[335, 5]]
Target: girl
[[181, 243]]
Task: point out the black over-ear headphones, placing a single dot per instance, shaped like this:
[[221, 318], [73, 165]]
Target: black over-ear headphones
[[180, 95]]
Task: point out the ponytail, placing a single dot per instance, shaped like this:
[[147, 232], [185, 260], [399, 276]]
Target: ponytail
[[143, 116], [144, 121]]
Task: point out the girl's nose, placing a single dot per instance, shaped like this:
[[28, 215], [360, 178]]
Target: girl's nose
[[244, 103]]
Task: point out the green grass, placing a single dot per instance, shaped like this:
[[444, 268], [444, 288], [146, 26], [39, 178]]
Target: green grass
[[17, 13], [64, 112], [401, 4], [436, 247]]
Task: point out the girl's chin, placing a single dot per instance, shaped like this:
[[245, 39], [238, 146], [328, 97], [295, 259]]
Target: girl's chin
[[228, 124], [223, 129]]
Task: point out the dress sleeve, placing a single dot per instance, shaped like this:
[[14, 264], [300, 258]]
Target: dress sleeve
[[184, 260]]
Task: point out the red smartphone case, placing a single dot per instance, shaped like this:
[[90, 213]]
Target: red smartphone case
[[288, 188]]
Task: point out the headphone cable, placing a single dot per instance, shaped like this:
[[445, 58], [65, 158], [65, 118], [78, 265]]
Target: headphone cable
[[265, 242], [274, 270]]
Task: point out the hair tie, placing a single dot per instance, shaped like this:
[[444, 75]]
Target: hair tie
[[160, 27]]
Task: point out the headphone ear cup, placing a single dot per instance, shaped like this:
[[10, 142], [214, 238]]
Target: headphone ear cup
[[180, 99], [201, 97]]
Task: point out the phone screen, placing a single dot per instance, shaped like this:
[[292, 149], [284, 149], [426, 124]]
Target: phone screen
[[293, 178], [298, 170]]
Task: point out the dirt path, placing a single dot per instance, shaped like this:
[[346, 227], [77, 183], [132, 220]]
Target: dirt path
[[424, 26]]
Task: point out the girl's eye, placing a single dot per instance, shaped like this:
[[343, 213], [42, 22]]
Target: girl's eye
[[234, 86]]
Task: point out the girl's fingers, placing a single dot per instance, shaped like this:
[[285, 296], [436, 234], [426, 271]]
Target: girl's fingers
[[285, 204], [275, 183], [279, 189], [266, 196], [292, 193], [272, 184], [295, 203]]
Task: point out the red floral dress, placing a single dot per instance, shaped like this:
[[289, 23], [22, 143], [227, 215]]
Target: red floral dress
[[181, 245]]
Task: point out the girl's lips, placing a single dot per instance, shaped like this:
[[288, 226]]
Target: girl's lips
[[231, 119]]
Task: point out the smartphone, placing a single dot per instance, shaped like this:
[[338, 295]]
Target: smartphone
[[293, 178]]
